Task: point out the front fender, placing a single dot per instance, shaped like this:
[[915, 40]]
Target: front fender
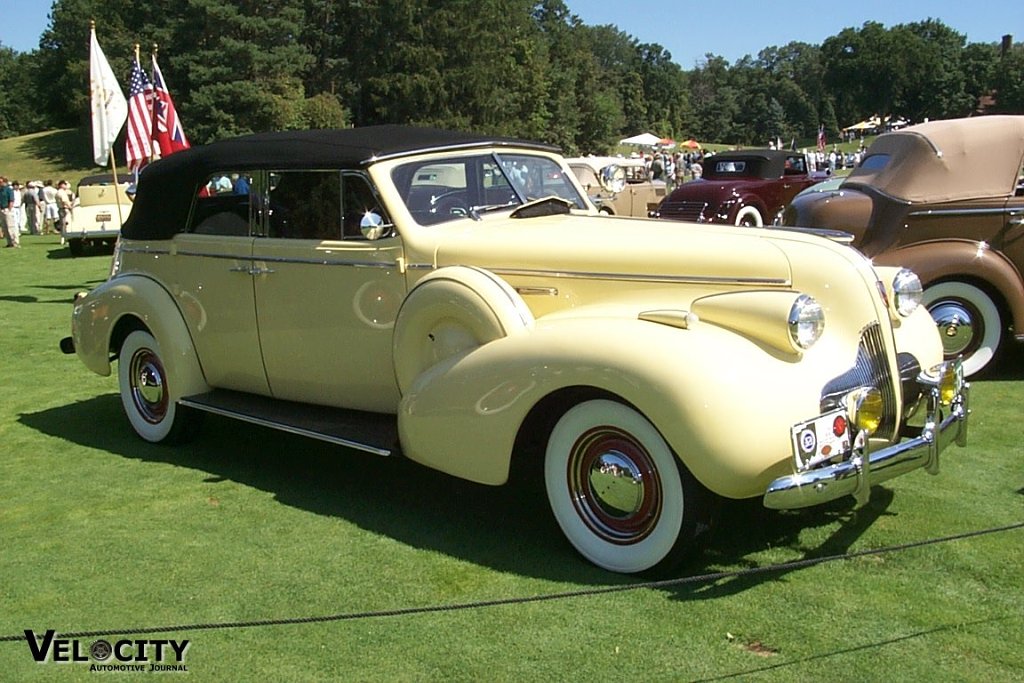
[[100, 317], [723, 403], [962, 260]]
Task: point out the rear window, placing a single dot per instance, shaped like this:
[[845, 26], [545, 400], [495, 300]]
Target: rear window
[[875, 162], [722, 167]]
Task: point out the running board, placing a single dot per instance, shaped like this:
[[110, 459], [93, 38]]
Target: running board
[[375, 433]]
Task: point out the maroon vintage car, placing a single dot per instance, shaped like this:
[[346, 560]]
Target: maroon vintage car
[[748, 187]]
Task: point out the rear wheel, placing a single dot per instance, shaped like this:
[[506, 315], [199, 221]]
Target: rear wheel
[[76, 247], [969, 323], [146, 392], [619, 493]]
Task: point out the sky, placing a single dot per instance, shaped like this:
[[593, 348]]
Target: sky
[[689, 30]]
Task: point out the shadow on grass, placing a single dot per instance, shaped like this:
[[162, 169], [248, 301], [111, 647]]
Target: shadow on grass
[[508, 528], [1009, 365], [62, 148]]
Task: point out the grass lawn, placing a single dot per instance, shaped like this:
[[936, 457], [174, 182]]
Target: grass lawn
[[100, 531]]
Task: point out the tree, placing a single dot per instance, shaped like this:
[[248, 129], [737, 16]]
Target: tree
[[1009, 81], [932, 82]]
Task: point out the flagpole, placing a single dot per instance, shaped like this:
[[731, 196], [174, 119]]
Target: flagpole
[[117, 187], [153, 155]]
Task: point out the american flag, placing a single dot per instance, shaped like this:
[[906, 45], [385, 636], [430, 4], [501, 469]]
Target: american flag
[[139, 143], [821, 137], [168, 134]]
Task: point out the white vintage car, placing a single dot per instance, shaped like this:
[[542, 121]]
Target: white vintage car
[[101, 205], [456, 299]]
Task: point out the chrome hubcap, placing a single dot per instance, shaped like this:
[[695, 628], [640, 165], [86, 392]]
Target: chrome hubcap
[[960, 326], [614, 485], [149, 391]]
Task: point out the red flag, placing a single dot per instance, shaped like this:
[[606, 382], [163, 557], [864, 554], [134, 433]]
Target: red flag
[[168, 134], [139, 141]]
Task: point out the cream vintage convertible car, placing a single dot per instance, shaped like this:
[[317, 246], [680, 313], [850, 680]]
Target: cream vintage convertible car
[[456, 299]]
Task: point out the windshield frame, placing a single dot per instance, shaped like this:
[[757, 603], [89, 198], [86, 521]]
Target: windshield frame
[[467, 183]]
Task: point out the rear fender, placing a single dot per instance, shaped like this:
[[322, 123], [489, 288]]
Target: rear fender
[[103, 317]]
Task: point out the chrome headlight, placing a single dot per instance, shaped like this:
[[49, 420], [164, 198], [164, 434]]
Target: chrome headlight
[[806, 322], [907, 292]]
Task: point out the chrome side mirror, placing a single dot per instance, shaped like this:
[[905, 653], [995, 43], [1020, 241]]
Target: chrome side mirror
[[373, 227], [613, 178]]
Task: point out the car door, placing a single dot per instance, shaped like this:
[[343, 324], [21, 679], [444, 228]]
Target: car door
[[326, 297], [208, 271]]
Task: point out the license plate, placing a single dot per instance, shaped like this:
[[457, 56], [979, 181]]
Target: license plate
[[821, 439], [103, 218]]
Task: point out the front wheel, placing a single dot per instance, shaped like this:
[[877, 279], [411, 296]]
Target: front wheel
[[749, 217], [619, 493], [969, 323], [146, 392]]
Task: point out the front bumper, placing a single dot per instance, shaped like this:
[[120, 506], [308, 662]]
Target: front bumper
[[944, 424]]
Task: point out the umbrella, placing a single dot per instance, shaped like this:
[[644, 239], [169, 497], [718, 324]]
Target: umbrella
[[691, 143], [667, 142], [646, 139]]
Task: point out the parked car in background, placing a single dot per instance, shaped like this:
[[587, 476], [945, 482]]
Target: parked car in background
[[618, 186], [748, 187], [100, 207], [457, 299], [946, 199]]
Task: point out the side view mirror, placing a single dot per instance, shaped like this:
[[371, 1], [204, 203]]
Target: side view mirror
[[613, 178], [373, 227]]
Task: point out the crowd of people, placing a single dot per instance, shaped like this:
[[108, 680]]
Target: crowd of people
[[676, 168], [37, 208]]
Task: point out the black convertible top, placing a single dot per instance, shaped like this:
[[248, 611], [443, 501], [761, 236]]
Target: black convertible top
[[167, 187], [761, 163]]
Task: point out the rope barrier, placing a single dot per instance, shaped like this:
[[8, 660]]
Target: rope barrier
[[480, 604]]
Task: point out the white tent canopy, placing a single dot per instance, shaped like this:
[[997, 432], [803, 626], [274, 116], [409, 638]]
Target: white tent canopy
[[646, 139]]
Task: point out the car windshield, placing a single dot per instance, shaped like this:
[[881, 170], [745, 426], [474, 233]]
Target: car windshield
[[458, 187]]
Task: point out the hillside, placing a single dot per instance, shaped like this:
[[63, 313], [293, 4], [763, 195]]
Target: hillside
[[54, 154]]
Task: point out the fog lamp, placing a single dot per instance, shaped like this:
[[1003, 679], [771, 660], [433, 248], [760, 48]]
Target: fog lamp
[[865, 408], [950, 382], [948, 378]]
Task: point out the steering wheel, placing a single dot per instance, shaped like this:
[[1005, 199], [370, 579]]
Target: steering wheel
[[450, 204]]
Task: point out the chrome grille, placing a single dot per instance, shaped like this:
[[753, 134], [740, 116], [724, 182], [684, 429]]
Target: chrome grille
[[683, 211], [870, 369]]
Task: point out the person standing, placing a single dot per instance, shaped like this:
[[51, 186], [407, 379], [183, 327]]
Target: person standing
[[16, 207], [11, 230], [50, 211], [30, 207], [65, 203]]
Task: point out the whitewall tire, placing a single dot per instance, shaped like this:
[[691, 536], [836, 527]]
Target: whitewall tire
[[750, 217], [969, 323], [617, 490], [146, 391]]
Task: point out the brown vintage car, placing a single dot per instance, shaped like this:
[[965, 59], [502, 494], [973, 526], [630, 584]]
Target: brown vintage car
[[945, 199], [748, 187], [618, 186]]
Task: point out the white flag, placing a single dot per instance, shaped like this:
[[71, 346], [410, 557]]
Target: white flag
[[109, 108]]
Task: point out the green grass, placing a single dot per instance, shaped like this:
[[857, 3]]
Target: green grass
[[54, 155], [99, 530]]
